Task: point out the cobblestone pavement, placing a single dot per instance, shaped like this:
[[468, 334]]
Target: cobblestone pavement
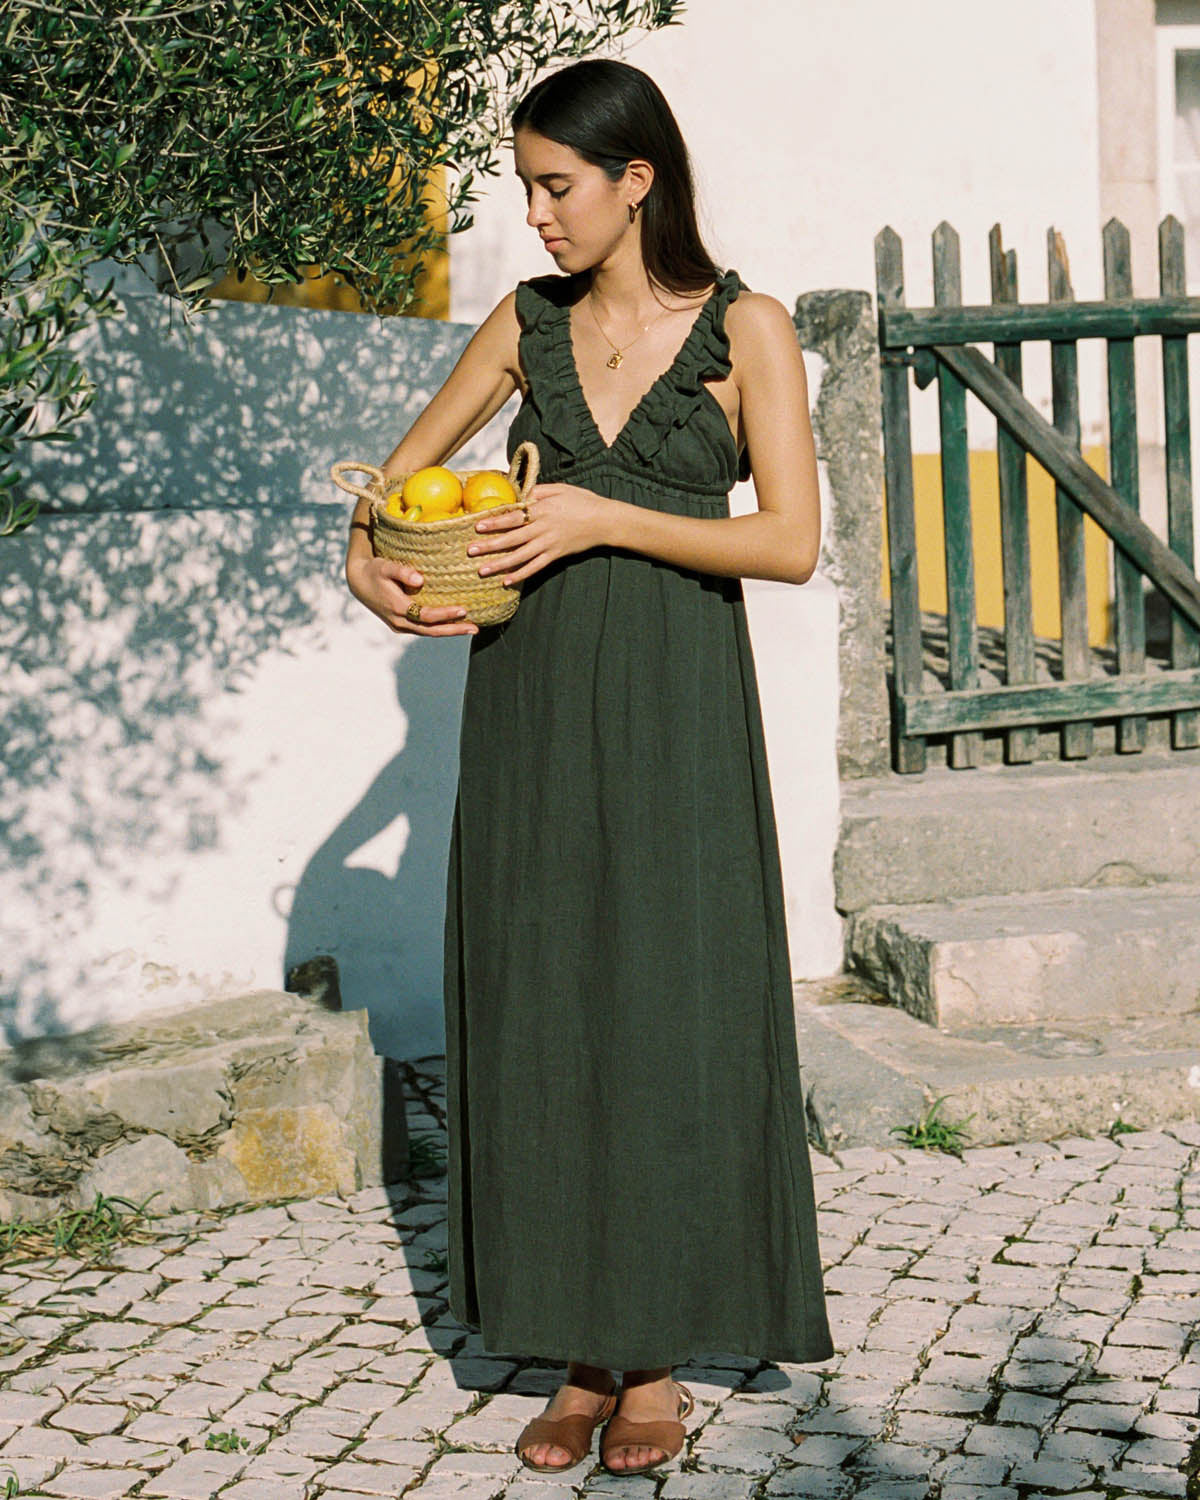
[[1019, 1323]]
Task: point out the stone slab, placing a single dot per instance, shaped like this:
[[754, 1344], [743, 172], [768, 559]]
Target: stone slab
[[248, 1099], [867, 1068], [944, 834], [1055, 955]]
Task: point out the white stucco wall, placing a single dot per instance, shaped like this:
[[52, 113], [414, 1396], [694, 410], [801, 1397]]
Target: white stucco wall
[[215, 760], [216, 763], [813, 126], [198, 790]]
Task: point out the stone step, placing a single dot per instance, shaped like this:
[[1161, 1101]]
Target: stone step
[[869, 1067], [248, 1099], [1123, 820], [1058, 955]]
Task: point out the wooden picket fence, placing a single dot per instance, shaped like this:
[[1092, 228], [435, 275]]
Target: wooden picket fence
[[937, 344]]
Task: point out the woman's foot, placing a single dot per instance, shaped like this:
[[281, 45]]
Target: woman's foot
[[583, 1393], [646, 1396]]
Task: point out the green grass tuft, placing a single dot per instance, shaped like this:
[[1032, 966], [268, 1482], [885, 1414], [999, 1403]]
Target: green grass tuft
[[86, 1233], [426, 1154], [226, 1442], [933, 1133]]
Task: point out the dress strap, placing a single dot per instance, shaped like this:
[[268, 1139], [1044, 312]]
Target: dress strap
[[729, 288], [543, 307]]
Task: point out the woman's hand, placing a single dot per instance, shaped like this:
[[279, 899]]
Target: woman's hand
[[563, 519], [388, 588]]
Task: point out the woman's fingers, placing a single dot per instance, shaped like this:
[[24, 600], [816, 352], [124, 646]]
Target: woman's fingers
[[511, 559], [407, 577], [519, 574], [405, 615], [519, 564], [389, 588], [464, 629], [404, 626], [503, 520], [503, 539], [435, 614]]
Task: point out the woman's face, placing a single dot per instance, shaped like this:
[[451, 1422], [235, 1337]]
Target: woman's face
[[580, 214]]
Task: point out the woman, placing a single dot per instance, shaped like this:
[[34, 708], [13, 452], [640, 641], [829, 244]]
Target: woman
[[628, 1178]]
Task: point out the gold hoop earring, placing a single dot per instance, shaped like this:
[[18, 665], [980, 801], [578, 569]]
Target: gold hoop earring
[[633, 211]]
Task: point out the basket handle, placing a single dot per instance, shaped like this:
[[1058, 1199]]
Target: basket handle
[[344, 464], [523, 471]]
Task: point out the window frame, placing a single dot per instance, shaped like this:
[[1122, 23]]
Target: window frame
[[1170, 39]]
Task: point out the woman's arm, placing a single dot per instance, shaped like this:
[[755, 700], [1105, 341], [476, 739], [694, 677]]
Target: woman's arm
[[486, 375], [781, 540]]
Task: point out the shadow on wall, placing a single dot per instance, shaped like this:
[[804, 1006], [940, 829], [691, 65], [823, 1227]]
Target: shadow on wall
[[246, 405], [383, 926], [132, 629], [121, 631]]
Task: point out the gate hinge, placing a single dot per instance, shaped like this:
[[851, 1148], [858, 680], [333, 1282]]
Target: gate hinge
[[923, 362]]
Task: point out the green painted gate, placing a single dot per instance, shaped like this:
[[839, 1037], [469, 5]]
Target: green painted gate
[[937, 344]]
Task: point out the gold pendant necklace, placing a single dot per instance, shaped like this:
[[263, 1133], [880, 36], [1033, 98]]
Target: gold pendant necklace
[[614, 359]]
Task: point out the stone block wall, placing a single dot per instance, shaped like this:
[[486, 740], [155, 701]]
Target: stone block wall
[[244, 1100]]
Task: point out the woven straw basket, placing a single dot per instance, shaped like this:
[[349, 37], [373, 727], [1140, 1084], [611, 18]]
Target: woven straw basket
[[438, 549]]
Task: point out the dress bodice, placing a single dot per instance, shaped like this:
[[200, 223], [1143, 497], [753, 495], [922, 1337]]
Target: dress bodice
[[676, 441]]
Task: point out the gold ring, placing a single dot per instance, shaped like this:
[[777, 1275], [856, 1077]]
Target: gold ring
[[525, 513], [413, 613]]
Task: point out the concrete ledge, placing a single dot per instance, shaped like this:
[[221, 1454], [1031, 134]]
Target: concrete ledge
[[1115, 820], [245, 1100], [867, 1068], [1060, 955]]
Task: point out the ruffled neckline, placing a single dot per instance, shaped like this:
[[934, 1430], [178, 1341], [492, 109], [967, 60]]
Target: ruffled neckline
[[544, 305]]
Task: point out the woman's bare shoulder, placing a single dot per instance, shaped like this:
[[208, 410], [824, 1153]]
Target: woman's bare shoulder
[[497, 337], [756, 318], [509, 314], [761, 332], [505, 311]]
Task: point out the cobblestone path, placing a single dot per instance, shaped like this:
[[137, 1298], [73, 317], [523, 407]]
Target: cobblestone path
[[1019, 1323]]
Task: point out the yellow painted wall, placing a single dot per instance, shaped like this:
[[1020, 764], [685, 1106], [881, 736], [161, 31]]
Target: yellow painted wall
[[985, 523]]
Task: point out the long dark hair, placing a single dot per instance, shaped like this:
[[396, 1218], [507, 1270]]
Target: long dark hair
[[611, 113]]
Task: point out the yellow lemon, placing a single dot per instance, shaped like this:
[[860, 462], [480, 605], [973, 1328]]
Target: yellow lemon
[[394, 504], [483, 491], [437, 491]]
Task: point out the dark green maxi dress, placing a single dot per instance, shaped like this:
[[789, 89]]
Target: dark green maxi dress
[[628, 1175]]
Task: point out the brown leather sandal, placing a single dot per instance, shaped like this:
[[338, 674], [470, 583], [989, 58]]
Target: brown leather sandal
[[574, 1433], [669, 1436]]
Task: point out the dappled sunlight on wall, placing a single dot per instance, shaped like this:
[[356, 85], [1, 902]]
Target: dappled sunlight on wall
[[125, 633], [203, 731], [241, 406]]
